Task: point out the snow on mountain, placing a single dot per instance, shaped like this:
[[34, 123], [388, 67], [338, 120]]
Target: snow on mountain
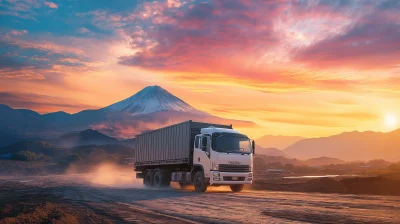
[[149, 100]]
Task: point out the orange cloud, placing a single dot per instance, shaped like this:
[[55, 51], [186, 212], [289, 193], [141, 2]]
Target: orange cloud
[[51, 5]]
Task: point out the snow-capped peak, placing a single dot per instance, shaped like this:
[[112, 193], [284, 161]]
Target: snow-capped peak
[[151, 99]]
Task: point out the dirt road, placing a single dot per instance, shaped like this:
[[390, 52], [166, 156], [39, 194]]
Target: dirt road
[[132, 203]]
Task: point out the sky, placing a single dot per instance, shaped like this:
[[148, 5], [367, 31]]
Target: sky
[[299, 68]]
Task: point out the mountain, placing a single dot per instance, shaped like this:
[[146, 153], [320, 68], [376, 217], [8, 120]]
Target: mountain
[[86, 137], [350, 146], [269, 151], [149, 100], [277, 141], [130, 142], [324, 161], [152, 107]]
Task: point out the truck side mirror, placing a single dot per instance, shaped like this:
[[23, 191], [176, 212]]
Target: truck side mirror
[[253, 145], [204, 144]]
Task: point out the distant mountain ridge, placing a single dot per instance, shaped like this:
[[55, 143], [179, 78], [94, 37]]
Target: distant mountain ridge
[[270, 152], [350, 146], [86, 137], [150, 108], [277, 141]]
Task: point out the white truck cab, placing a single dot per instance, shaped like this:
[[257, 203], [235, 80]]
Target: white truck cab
[[226, 157]]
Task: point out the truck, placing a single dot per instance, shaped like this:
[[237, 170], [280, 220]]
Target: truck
[[194, 153]]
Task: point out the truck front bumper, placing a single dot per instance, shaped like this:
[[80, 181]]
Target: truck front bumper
[[225, 178]]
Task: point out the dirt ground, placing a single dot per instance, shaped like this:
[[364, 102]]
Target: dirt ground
[[119, 198]]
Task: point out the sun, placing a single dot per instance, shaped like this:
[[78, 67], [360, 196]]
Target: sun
[[390, 121]]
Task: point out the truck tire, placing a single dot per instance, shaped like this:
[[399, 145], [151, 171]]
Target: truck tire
[[148, 179], [200, 184], [161, 178], [157, 179], [237, 188]]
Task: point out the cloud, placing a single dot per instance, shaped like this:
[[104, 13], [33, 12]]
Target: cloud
[[39, 102], [24, 9], [323, 119], [17, 32], [261, 45], [15, 57], [83, 30], [41, 56], [51, 5], [196, 37], [372, 43], [315, 122]]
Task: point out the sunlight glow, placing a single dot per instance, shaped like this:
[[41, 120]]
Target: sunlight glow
[[391, 121]]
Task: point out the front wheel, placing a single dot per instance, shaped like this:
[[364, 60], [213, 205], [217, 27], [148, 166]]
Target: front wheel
[[237, 188], [199, 182], [148, 179]]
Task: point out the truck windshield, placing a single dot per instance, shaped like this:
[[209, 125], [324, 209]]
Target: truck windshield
[[231, 142]]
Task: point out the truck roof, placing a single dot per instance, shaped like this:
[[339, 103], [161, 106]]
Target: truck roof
[[212, 130], [194, 123]]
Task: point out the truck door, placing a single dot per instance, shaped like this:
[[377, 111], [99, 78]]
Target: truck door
[[201, 157]]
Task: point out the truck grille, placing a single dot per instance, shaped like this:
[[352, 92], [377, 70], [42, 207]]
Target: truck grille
[[231, 179], [234, 168]]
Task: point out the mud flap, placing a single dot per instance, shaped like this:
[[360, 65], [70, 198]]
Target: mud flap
[[139, 175]]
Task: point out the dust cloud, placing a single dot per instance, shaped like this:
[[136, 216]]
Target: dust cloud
[[122, 176], [109, 175]]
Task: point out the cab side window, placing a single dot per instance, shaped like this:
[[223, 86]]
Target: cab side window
[[196, 142]]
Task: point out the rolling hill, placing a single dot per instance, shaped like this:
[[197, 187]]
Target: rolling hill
[[86, 137], [350, 146], [324, 161], [270, 151]]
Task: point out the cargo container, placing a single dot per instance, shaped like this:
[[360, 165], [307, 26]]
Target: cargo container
[[196, 153]]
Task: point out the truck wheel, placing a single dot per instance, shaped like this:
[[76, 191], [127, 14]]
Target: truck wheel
[[200, 184], [148, 179], [157, 179], [237, 188]]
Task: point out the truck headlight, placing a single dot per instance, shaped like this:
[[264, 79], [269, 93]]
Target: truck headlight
[[214, 166], [216, 174], [250, 174]]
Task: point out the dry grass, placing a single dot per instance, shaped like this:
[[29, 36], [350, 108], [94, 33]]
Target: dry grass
[[41, 208]]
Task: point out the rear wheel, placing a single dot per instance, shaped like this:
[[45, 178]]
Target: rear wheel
[[157, 179], [200, 184], [161, 178], [237, 188], [148, 179]]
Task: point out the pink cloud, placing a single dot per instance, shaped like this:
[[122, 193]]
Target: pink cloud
[[240, 42], [372, 43], [18, 32], [51, 5]]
